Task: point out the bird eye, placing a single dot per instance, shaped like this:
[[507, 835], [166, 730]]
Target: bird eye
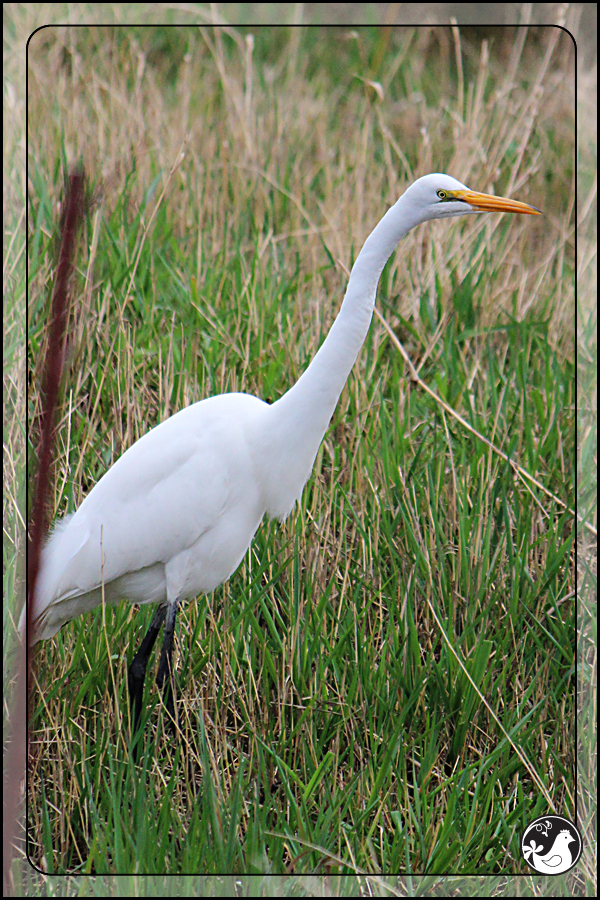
[[441, 194]]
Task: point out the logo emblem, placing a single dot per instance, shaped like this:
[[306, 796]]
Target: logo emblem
[[551, 845]]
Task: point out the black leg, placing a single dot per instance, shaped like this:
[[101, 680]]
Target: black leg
[[165, 670], [137, 670]]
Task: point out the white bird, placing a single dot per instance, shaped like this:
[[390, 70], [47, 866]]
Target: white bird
[[176, 513], [558, 859]]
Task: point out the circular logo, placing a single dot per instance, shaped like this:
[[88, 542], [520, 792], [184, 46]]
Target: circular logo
[[551, 845]]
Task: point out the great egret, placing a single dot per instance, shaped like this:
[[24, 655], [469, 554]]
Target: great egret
[[176, 513]]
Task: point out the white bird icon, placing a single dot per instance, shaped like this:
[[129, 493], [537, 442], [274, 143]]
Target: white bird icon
[[175, 515], [558, 859]]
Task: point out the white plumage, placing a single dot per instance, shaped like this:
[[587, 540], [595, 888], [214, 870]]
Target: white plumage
[[175, 514]]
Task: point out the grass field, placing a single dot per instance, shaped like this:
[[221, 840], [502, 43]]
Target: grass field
[[387, 684]]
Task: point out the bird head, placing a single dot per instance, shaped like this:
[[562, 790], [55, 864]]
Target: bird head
[[440, 196], [566, 835]]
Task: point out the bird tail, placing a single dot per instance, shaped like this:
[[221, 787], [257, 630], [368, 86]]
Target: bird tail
[[60, 548]]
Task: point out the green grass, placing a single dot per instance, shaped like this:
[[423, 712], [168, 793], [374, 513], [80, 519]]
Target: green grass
[[327, 692]]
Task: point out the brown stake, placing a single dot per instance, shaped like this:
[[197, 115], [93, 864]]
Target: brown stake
[[53, 366]]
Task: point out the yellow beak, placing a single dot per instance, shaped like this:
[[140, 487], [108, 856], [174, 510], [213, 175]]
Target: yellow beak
[[489, 203]]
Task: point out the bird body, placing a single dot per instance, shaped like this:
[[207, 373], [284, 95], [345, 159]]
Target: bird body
[[174, 516]]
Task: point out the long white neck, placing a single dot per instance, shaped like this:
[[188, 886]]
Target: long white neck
[[299, 419]]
